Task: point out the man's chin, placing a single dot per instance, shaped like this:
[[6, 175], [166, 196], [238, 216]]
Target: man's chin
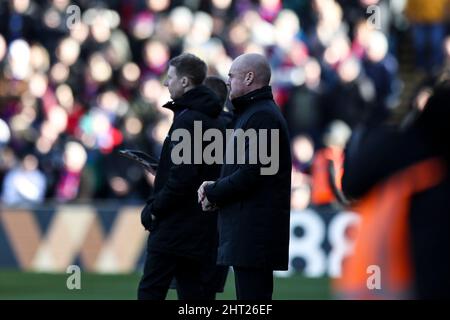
[[175, 96]]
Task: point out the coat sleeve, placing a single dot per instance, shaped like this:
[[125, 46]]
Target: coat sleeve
[[182, 181], [245, 180]]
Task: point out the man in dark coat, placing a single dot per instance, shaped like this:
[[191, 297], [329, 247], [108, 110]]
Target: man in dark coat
[[254, 204], [182, 237], [215, 276]]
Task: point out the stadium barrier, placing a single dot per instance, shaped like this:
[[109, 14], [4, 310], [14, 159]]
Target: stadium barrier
[[110, 239]]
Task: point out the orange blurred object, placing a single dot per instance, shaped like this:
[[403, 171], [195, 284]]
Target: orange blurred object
[[383, 238]]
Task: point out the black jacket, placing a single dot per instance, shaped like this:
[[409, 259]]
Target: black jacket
[[255, 209], [180, 226]]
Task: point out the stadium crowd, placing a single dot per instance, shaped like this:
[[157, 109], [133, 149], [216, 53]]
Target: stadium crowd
[[75, 91]]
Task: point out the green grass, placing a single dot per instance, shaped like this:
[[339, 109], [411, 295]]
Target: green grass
[[27, 285]]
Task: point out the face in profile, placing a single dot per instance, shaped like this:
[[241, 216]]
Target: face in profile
[[174, 83], [235, 81]]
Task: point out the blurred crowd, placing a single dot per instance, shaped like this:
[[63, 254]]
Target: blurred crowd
[[80, 80]]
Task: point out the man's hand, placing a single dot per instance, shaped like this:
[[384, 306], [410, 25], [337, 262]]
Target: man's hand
[[147, 218], [206, 205], [201, 190]]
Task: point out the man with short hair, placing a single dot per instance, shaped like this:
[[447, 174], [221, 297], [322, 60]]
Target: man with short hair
[[214, 275], [182, 237], [219, 86], [254, 208]]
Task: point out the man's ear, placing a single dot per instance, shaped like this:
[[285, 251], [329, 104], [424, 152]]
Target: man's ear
[[249, 77], [185, 82]]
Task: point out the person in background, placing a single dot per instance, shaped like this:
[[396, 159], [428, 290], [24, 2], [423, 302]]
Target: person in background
[[428, 31], [25, 184], [220, 88], [398, 180], [327, 165]]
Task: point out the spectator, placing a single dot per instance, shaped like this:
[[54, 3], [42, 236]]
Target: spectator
[[428, 31], [352, 99], [25, 184], [304, 109], [381, 67], [327, 165]]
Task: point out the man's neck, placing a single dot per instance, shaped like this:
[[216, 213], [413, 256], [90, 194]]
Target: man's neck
[[252, 88], [188, 88]]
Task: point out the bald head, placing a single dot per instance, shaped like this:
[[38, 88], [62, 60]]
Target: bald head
[[248, 72], [253, 62]]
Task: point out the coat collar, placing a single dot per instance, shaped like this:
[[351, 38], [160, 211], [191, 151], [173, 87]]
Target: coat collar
[[242, 102], [200, 98]]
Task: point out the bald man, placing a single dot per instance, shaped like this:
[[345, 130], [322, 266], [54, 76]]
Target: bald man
[[254, 204]]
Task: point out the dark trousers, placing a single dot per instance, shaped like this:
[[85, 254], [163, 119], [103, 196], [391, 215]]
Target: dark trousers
[[161, 268], [253, 283], [428, 39], [213, 279]]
